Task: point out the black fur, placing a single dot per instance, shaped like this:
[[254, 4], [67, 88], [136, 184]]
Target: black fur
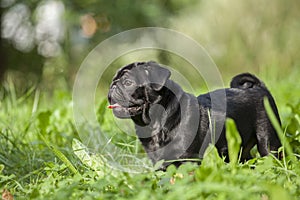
[[172, 124]]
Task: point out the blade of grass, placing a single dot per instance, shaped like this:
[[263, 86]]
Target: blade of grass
[[234, 142], [60, 155], [36, 101]]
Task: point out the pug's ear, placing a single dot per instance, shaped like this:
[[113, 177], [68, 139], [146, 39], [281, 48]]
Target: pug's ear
[[157, 74]]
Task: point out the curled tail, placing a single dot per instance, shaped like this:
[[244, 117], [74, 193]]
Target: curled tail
[[245, 81]]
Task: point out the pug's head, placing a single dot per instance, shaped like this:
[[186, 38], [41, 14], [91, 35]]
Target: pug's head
[[136, 87]]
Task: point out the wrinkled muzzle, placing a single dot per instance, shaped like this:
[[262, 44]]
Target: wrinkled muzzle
[[123, 104]]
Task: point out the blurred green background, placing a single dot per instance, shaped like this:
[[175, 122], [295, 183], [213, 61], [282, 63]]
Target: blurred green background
[[42, 46], [44, 42]]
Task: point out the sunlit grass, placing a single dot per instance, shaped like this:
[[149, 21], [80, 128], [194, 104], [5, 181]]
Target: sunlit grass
[[42, 157]]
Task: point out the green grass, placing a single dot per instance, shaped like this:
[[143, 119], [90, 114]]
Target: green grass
[[42, 157]]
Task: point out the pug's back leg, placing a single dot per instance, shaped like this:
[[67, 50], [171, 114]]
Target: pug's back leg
[[262, 144], [267, 138], [274, 143]]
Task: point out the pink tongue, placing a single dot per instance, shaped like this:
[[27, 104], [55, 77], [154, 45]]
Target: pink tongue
[[113, 106]]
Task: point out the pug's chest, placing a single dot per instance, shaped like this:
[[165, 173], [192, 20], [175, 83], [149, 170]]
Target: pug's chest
[[154, 139]]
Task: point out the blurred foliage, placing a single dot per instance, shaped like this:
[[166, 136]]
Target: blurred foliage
[[248, 36], [51, 38], [255, 36]]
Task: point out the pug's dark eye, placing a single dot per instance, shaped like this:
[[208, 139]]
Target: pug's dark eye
[[127, 82]]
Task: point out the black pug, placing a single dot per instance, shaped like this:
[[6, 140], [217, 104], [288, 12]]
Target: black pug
[[172, 125]]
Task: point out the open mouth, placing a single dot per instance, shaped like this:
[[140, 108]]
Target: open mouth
[[131, 109], [113, 106]]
